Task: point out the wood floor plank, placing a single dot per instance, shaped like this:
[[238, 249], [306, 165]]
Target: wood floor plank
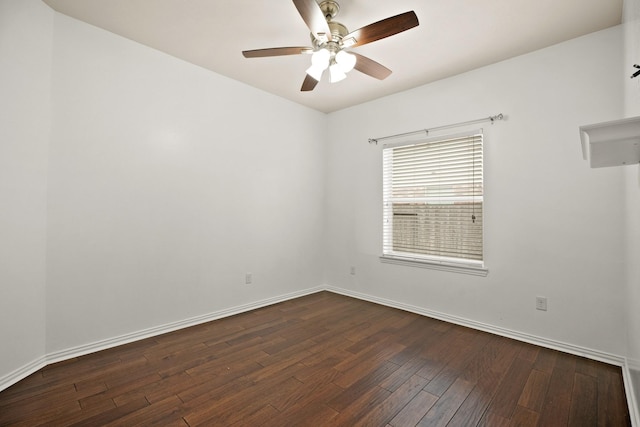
[[463, 351], [114, 393], [366, 364], [262, 417], [45, 414], [415, 410], [322, 359], [611, 398], [314, 414], [438, 354], [286, 394], [555, 410], [546, 360], [523, 417], [243, 398], [352, 393], [391, 406], [535, 390], [403, 374], [45, 396], [310, 409], [445, 408], [112, 415], [504, 402], [360, 407], [528, 351], [584, 402], [164, 412], [237, 379], [491, 419], [305, 392], [487, 372], [175, 384], [587, 367], [320, 364]]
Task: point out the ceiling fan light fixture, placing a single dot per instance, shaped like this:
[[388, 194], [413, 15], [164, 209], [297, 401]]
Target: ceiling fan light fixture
[[336, 73], [315, 72], [346, 61], [320, 59], [319, 62]]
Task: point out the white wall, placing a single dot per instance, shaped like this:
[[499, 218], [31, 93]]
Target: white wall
[[632, 181], [25, 120], [554, 227], [167, 183]]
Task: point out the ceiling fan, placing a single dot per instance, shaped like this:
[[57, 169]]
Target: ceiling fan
[[331, 41]]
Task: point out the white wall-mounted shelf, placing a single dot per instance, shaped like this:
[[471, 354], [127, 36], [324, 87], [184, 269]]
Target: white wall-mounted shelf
[[614, 143]]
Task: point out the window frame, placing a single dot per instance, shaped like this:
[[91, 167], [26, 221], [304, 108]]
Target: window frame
[[458, 265]]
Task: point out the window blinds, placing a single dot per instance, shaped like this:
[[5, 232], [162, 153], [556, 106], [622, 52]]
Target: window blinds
[[433, 199]]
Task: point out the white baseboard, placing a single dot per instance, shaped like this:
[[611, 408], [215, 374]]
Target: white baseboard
[[632, 397], [22, 372], [58, 356]]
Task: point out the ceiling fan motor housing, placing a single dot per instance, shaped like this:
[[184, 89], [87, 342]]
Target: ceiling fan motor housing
[[338, 31], [330, 9]]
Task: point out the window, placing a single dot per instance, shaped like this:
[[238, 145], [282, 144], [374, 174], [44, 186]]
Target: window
[[433, 201]]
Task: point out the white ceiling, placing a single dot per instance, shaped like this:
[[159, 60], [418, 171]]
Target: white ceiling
[[454, 36]]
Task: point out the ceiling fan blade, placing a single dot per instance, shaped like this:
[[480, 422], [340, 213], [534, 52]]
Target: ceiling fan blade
[[381, 29], [314, 18], [370, 67], [276, 51], [308, 84]]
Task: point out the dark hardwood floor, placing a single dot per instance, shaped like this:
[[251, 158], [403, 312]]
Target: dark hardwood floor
[[323, 359]]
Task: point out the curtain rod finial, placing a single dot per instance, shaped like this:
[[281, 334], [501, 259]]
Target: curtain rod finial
[[497, 117]]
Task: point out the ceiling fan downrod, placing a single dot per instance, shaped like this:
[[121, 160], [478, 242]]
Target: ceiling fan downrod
[[329, 8]]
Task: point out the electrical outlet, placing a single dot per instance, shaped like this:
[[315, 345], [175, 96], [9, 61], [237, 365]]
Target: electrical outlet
[[541, 303], [248, 278], [353, 270]]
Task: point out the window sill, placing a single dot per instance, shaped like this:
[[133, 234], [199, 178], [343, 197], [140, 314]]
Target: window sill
[[471, 269]]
